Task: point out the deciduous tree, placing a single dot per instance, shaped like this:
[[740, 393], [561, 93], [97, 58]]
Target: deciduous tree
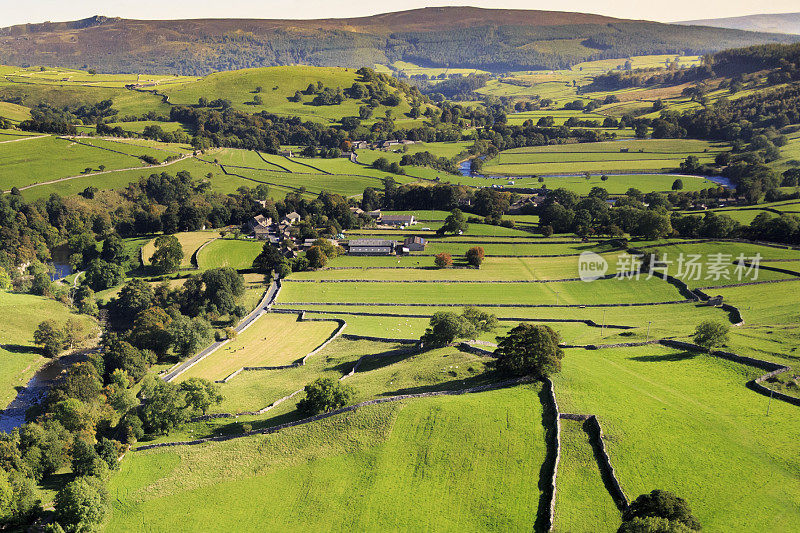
[[711, 334], [529, 349], [323, 395], [168, 254]]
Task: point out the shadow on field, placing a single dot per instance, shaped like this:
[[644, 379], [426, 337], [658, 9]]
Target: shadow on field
[[21, 348], [548, 465], [605, 474], [235, 428], [454, 384], [384, 359], [56, 482], [665, 357]]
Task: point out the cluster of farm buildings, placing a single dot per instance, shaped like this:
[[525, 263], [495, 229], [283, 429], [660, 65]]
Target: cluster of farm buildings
[[280, 233]]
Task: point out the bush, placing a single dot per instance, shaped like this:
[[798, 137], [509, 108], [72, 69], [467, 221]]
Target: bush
[[475, 256], [711, 334], [444, 327], [168, 254], [659, 508], [50, 337], [443, 260]]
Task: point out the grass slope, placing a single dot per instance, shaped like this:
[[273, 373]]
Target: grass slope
[[272, 340], [686, 423], [238, 254], [277, 85], [470, 460], [190, 242]]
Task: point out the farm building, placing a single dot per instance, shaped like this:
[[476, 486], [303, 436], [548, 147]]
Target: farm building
[[262, 233], [258, 221], [397, 220], [356, 211], [370, 247], [375, 214], [414, 244], [291, 218]]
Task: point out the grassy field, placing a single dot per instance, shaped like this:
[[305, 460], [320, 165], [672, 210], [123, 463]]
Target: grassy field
[[283, 182], [19, 357], [139, 125], [250, 391], [190, 241], [404, 67], [582, 501], [14, 112], [616, 184], [120, 180], [648, 155], [686, 423], [48, 158], [238, 254], [353, 472], [35, 88], [273, 340], [277, 85], [790, 153], [570, 292], [644, 322]]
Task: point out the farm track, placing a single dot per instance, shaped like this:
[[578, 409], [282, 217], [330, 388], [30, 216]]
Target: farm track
[[29, 138]]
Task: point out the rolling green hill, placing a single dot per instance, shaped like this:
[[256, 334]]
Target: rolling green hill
[[496, 40]]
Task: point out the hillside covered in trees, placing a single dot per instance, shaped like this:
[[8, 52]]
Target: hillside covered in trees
[[495, 40]]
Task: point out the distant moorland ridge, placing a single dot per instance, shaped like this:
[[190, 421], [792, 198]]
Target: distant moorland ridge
[[774, 23], [490, 39]]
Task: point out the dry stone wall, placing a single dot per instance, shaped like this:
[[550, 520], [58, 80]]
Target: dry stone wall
[[322, 416], [772, 368]]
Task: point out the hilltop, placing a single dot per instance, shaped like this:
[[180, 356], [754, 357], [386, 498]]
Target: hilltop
[[774, 23], [496, 40]]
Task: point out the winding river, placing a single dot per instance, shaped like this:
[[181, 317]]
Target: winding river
[[34, 391]]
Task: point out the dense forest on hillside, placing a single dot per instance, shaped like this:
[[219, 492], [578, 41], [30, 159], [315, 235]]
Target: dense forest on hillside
[[783, 62]]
